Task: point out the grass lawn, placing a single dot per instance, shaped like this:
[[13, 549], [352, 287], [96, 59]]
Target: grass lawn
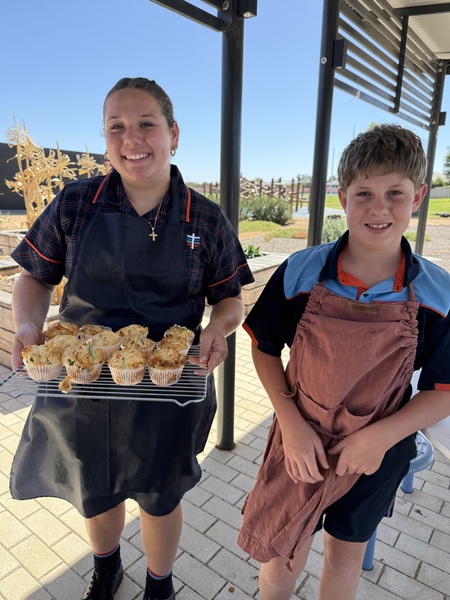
[[272, 230]]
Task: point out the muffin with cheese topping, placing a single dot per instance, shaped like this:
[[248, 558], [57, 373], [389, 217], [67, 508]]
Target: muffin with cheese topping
[[127, 366], [144, 344], [61, 342], [83, 362], [133, 331], [166, 365], [106, 340], [179, 331], [42, 362], [61, 328], [175, 343], [88, 330]]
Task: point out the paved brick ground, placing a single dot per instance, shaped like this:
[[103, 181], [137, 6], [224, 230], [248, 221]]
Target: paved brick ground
[[44, 552]]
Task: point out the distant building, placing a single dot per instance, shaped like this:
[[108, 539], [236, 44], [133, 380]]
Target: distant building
[[9, 200], [332, 186]]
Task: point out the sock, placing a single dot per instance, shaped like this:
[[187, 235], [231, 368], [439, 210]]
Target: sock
[[158, 586], [110, 561]]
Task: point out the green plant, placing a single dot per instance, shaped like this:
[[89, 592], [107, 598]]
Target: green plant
[[332, 229], [264, 208], [251, 251]]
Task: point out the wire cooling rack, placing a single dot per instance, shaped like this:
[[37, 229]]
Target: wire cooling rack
[[191, 388]]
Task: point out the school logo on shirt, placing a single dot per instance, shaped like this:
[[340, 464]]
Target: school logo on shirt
[[193, 241]]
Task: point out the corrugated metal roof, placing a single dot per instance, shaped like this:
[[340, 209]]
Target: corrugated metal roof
[[432, 26]]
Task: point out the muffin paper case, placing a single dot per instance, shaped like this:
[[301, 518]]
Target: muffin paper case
[[165, 377], [127, 376], [78, 375], [43, 372]]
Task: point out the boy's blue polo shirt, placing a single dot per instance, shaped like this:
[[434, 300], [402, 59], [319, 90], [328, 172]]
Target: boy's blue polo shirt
[[273, 320]]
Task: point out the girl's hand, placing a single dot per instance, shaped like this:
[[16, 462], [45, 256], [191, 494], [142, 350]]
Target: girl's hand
[[25, 336], [213, 350]]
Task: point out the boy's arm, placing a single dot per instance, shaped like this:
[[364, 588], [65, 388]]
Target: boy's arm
[[363, 451], [302, 446]]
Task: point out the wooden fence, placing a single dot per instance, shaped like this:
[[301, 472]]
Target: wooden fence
[[293, 191]]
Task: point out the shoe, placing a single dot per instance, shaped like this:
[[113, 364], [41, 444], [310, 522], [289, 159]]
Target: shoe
[[171, 597], [103, 585]]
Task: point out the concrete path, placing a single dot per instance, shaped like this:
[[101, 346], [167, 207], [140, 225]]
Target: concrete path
[[44, 552]]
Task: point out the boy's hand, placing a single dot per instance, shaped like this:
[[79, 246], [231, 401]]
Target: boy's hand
[[360, 452], [304, 453]]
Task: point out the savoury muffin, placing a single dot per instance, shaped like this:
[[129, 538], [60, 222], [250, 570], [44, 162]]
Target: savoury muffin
[[60, 342], [83, 362], [60, 329], [144, 344], [179, 331], [107, 340], [87, 331], [133, 331], [175, 343], [42, 362], [128, 366], [166, 366]]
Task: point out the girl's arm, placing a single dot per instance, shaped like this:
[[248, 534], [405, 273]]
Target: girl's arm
[[30, 303]]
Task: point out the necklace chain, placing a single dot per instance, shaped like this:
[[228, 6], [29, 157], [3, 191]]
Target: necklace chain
[[154, 235]]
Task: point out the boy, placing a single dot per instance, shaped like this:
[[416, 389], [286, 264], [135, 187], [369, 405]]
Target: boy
[[359, 315]]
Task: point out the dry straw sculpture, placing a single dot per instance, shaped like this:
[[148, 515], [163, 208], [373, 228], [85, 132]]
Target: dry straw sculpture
[[41, 176]]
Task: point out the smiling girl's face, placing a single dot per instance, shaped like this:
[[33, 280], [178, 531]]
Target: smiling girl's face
[[138, 138]]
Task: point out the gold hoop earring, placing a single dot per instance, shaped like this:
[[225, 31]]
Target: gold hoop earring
[[173, 152]]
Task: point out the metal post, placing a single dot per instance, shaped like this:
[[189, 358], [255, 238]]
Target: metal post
[[431, 152], [330, 22], [230, 168]]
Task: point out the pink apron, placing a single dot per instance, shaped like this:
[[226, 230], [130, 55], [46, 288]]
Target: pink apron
[[350, 365]]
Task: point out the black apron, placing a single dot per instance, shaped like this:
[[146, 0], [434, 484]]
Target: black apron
[[96, 454]]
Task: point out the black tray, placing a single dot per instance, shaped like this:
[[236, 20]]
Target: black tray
[[191, 388]]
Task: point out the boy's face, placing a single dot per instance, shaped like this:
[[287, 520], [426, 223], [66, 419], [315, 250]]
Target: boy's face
[[379, 208]]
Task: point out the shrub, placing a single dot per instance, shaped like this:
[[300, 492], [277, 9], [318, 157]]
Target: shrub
[[244, 209], [333, 229], [264, 208]]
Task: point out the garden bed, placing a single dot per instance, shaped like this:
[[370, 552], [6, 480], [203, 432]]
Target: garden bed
[[262, 267]]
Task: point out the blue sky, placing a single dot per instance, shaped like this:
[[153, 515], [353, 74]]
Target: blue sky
[[60, 58]]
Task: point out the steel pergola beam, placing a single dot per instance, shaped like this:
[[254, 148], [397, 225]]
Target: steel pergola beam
[[197, 14], [423, 9], [229, 22], [330, 22]]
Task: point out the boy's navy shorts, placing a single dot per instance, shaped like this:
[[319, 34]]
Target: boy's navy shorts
[[355, 516]]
